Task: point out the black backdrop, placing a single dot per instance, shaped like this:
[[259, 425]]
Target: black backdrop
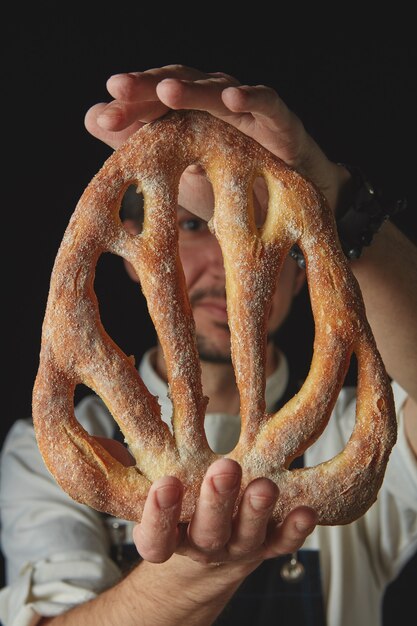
[[352, 84]]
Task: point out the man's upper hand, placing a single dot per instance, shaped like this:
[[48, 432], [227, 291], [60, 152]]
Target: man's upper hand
[[257, 111]]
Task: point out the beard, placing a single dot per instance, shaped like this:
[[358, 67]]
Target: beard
[[212, 354], [207, 351]]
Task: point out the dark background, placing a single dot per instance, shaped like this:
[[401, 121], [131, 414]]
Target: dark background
[[352, 82]]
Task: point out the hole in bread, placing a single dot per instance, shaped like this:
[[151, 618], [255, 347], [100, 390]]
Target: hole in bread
[[88, 405], [203, 267], [132, 210], [260, 199], [122, 305]]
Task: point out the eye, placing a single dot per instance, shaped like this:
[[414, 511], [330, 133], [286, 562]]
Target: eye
[[193, 224]]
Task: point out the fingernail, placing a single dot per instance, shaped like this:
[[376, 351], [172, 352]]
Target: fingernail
[[225, 482], [167, 496], [261, 503], [304, 528], [105, 121], [110, 113]]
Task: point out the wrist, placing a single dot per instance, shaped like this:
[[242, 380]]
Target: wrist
[[185, 591], [359, 208], [338, 186], [184, 572], [228, 572], [361, 212]]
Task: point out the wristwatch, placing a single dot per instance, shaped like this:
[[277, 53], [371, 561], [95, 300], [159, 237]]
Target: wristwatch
[[361, 220]]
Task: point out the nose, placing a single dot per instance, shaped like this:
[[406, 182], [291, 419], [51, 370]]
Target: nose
[[214, 257]]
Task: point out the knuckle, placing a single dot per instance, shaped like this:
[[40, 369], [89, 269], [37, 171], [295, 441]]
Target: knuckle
[[126, 89], [244, 550], [174, 66], [154, 556], [209, 545], [203, 558], [266, 90], [228, 78]]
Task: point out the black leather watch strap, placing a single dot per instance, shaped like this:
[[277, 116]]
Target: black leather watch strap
[[361, 219]]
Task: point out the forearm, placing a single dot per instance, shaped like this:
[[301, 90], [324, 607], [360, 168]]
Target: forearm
[[177, 592], [387, 275]]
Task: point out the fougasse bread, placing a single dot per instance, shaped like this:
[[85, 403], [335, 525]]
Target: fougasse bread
[[75, 347]]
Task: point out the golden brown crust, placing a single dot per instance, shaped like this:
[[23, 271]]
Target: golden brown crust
[[76, 349]]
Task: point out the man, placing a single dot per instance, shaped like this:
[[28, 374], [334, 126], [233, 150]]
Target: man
[[58, 550]]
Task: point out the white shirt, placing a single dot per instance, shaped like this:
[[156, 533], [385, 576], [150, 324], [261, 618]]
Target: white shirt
[[57, 550]]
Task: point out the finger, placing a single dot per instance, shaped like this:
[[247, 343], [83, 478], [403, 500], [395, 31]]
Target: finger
[[254, 514], [156, 535], [266, 118], [290, 535], [114, 139], [260, 101], [211, 525], [117, 116], [204, 95], [134, 86]]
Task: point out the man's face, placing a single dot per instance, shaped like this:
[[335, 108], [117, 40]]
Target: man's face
[[202, 262], [205, 278]]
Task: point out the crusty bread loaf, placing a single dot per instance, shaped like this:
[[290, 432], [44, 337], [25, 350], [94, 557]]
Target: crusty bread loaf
[[76, 349]]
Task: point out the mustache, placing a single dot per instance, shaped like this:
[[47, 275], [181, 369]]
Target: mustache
[[201, 294]]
